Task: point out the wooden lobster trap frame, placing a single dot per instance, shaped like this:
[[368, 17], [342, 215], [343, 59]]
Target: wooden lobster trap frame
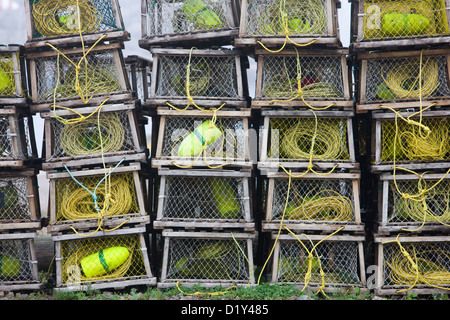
[[313, 202], [19, 270], [19, 200], [283, 129], [13, 87], [413, 203], [139, 71], [384, 24], [77, 199], [107, 135], [71, 249], [57, 24], [166, 22], [340, 257], [217, 199], [210, 259], [226, 141], [391, 79], [106, 77], [420, 145], [308, 21], [324, 79], [17, 138], [215, 77], [396, 273]]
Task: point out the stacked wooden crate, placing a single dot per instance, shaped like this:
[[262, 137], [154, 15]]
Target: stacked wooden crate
[[19, 165], [94, 145], [402, 53], [201, 120], [308, 169]]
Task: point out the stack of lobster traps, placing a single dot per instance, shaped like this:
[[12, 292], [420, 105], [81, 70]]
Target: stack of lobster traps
[[94, 151], [401, 54], [201, 148], [307, 164], [19, 166]]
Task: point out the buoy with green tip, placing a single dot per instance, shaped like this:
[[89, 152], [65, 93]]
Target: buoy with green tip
[[385, 93], [399, 24], [104, 261], [225, 198], [198, 12], [204, 134], [297, 26], [9, 266]]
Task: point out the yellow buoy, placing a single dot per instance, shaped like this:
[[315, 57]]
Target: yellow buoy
[[225, 198], [9, 266], [204, 134], [104, 261]]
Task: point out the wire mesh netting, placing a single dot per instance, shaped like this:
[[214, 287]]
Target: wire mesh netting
[[185, 138], [108, 132], [14, 199], [16, 263], [418, 201], [427, 264], [7, 75], [58, 77], [324, 200], [338, 260], [403, 79], [15, 144], [291, 139], [111, 196], [204, 198], [403, 19], [320, 77], [178, 17], [208, 259], [406, 143], [102, 259], [58, 18], [307, 17], [209, 77]]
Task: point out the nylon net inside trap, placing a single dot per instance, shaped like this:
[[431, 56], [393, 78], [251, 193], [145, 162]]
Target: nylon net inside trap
[[406, 143], [399, 79], [98, 74], [109, 258], [204, 198], [265, 17], [211, 259], [321, 77], [209, 77], [115, 195], [404, 19], [433, 206], [175, 17], [185, 137], [108, 133], [15, 261], [58, 17], [430, 264], [7, 72], [339, 261], [325, 200], [291, 139]]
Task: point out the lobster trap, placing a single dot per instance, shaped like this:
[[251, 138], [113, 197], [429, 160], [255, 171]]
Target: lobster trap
[[63, 22], [101, 199], [17, 140], [167, 22], [77, 76], [107, 135], [313, 202], [411, 140], [410, 202], [19, 200], [115, 259], [213, 77], [412, 264], [139, 72], [294, 139], [218, 199], [309, 78], [18, 268], [385, 23], [402, 79], [210, 259], [13, 87], [194, 138], [334, 264], [271, 21]]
